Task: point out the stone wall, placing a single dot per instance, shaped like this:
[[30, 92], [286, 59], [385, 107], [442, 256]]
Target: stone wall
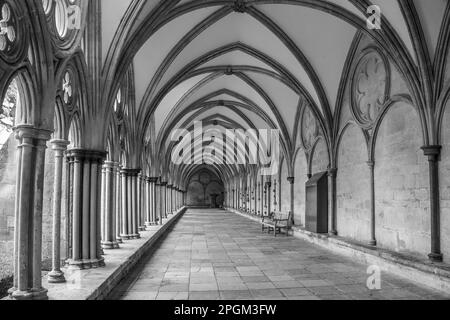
[[201, 186], [402, 184], [8, 171], [320, 160], [285, 190], [353, 201]]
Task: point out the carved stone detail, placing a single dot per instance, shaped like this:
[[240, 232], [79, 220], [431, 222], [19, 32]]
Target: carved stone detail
[[310, 128], [370, 89]]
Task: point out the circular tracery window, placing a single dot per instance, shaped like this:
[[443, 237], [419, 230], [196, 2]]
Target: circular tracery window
[[370, 89]]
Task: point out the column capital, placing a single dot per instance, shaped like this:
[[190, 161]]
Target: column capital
[[59, 145], [291, 180], [163, 184], [371, 164], [170, 186], [86, 154], [332, 172], [28, 131], [432, 151], [153, 179], [131, 172], [109, 165]]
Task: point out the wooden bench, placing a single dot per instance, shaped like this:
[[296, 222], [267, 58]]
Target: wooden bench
[[277, 221]]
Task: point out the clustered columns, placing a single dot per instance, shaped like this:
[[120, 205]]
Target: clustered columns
[[433, 153], [28, 214], [109, 229], [130, 218], [140, 202], [169, 208], [85, 167], [56, 275], [118, 200], [152, 219], [163, 201]]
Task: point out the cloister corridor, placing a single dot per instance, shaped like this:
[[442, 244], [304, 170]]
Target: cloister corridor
[[219, 255]]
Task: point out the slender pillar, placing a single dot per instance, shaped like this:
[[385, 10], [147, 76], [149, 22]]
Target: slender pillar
[[291, 181], [109, 240], [153, 200], [133, 204], [118, 200], [433, 153], [86, 195], [56, 275], [164, 199], [158, 203], [169, 199], [373, 239], [147, 201], [332, 175], [124, 208]]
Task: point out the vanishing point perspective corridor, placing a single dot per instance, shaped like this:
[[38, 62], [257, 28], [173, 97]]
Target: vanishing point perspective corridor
[[150, 149], [216, 254]]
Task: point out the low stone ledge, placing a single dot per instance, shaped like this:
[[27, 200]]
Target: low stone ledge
[[97, 284], [424, 272]]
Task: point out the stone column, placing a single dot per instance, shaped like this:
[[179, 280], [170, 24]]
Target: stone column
[[164, 199], [86, 195], [433, 153], [291, 181], [373, 239], [141, 202], [332, 174], [153, 201], [169, 199], [129, 228], [28, 214], [118, 200], [56, 275], [109, 240], [147, 203], [158, 204]]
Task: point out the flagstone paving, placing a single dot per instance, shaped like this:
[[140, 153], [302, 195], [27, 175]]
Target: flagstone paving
[[217, 255]]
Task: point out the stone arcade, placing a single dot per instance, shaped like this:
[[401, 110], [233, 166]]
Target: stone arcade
[[93, 91]]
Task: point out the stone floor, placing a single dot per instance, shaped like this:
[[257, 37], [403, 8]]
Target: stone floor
[[212, 255]]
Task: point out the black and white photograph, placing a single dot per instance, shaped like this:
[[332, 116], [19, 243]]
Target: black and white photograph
[[224, 157]]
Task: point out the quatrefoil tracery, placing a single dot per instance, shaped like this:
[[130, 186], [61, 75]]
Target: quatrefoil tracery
[[7, 30], [67, 88]]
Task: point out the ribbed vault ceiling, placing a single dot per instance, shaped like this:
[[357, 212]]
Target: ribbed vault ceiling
[[205, 60]]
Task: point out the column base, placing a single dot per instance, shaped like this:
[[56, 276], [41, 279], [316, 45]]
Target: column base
[[119, 240], [109, 245], [142, 228], [33, 294], [130, 236], [373, 243], [333, 233], [85, 264], [56, 277], [436, 257]]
